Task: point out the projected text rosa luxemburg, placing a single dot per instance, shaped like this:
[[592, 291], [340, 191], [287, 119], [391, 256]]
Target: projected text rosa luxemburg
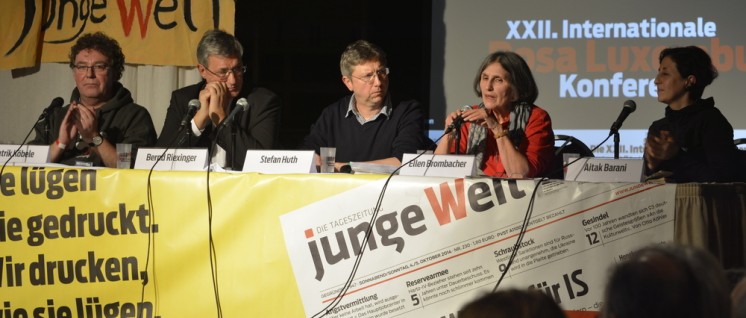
[[621, 65]]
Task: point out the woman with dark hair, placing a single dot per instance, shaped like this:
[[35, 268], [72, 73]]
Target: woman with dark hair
[[694, 141], [509, 135]]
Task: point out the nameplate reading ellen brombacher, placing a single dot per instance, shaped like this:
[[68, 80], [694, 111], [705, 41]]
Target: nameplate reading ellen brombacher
[[605, 170], [173, 159], [279, 161], [456, 166], [32, 154]]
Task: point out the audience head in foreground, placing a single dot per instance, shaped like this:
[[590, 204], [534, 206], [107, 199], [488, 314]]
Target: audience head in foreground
[[667, 281], [738, 298], [512, 303]]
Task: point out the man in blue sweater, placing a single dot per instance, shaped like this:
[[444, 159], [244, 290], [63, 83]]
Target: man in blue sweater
[[369, 125]]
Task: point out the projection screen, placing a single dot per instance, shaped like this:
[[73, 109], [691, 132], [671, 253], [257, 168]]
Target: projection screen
[[588, 57]]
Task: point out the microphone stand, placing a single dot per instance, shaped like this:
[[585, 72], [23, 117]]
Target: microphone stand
[[188, 129], [616, 144], [179, 138], [47, 128], [233, 147], [457, 130]]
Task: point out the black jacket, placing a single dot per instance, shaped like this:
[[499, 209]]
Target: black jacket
[[256, 129]]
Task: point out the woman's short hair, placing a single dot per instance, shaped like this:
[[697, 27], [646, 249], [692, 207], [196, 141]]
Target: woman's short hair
[[521, 80], [692, 60]]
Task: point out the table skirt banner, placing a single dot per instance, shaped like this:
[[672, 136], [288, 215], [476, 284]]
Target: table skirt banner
[[435, 245], [90, 243]]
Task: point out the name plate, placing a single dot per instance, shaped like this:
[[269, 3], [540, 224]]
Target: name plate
[[456, 166], [279, 161], [173, 159], [26, 154], [605, 170]]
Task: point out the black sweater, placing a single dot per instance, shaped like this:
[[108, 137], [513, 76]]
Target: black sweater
[[705, 139], [401, 132]]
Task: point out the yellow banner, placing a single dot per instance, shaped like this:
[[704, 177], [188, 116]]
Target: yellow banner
[[150, 32], [81, 243]]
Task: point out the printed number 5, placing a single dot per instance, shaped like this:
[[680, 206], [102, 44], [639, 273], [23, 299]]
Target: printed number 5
[[415, 299]]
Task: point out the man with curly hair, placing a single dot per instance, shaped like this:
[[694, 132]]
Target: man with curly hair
[[101, 112]]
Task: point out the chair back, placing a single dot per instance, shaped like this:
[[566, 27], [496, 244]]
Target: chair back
[[739, 142], [566, 144]]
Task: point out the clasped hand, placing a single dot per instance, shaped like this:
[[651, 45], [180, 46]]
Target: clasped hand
[[479, 116], [659, 148], [79, 120], [214, 100]]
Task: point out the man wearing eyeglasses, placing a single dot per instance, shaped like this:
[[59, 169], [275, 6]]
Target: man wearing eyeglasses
[[369, 125], [219, 57], [101, 112]]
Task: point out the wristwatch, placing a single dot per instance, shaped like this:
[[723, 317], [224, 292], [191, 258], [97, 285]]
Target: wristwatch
[[96, 141]]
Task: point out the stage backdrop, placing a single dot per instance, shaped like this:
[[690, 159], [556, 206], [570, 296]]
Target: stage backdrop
[[588, 57], [74, 243], [150, 32]]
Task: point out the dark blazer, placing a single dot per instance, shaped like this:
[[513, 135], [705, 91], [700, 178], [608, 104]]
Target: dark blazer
[[256, 129]]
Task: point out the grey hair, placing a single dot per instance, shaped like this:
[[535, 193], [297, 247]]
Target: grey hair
[[220, 43]]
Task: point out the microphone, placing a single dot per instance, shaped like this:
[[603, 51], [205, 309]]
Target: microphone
[[458, 121], [629, 107], [241, 105], [56, 102], [192, 109]]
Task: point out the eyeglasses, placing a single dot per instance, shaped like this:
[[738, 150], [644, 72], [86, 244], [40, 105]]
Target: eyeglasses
[[223, 74], [97, 68], [382, 74]]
